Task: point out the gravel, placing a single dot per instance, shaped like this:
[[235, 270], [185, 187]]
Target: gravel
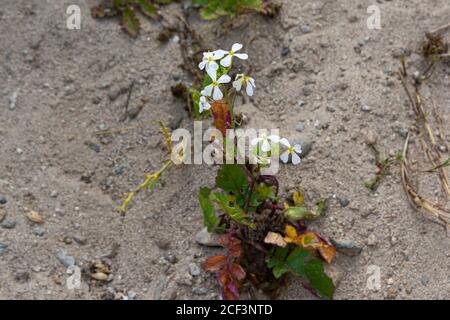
[[66, 260], [347, 247], [3, 199], [8, 224]]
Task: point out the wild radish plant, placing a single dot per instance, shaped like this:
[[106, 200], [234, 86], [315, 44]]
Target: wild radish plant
[[266, 236]]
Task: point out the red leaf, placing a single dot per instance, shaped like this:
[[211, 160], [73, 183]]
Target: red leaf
[[237, 271], [228, 286], [222, 116], [215, 263]]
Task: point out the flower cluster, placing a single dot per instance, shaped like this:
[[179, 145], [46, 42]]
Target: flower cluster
[[217, 64], [265, 142]]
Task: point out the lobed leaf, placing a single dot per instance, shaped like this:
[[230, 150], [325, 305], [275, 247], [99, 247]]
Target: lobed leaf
[[210, 220]]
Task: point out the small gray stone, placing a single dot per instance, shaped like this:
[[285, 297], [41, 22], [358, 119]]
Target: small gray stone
[[330, 108], [305, 28], [365, 108], [22, 276], [200, 291], [372, 240], [13, 100], [343, 202], [424, 280], [347, 247], [95, 147], [3, 247], [300, 127], [8, 224], [194, 269], [66, 260], [206, 238], [39, 231], [3, 199], [400, 128], [54, 194], [80, 239], [131, 295]]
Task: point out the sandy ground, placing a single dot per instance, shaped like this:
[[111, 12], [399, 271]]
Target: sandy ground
[[321, 74]]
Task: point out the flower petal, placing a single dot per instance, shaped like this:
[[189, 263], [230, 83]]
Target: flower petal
[[242, 56], [226, 62], [298, 148], [249, 89], [274, 138], [285, 157], [237, 85], [219, 54], [295, 158], [236, 47], [224, 79], [285, 142], [217, 94], [212, 65], [255, 141], [212, 74], [202, 64], [265, 146], [208, 90]]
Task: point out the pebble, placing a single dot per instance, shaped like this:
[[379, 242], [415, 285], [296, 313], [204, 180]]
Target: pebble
[[200, 291], [205, 238], [39, 231], [331, 108], [372, 240], [371, 137], [343, 202], [424, 280], [171, 258], [300, 127], [365, 108], [400, 128], [80, 239], [347, 247], [194, 269], [22, 276], [3, 199], [8, 224], [66, 260], [54, 194], [305, 29], [3, 247], [95, 147], [13, 100], [2, 215]]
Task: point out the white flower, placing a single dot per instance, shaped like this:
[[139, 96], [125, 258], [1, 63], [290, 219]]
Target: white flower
[[203, 104], [264, 140], [213, 89], [293, 151], [208, 62], [242, 79], [226, 62]]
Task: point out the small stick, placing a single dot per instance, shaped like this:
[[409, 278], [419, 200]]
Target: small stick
[[440, 29]]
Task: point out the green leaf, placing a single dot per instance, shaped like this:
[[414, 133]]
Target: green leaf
[[210, 220], [232, 178], [256, 4], [299, 213], [148, 8], [129, 22], [228, 204], [163, 1], [302, 263], [319, 280], [208, 14]]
